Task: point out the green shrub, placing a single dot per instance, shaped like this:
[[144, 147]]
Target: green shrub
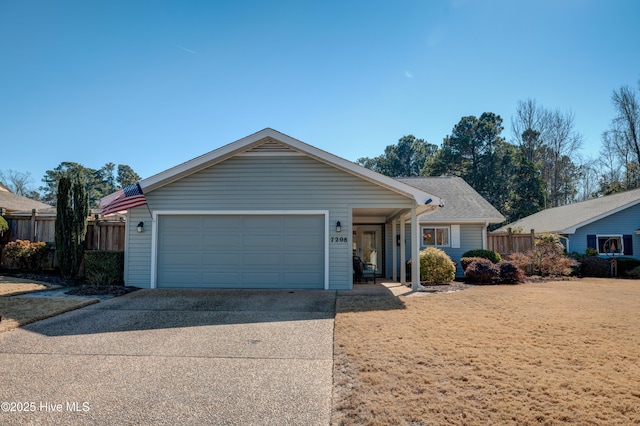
[[485, 254], [23, 254], [595, 267], [102, 267], [627, 264], [482, 271], [634, 273], [466, 261], [4, 226], [436, 266], [591, 252]]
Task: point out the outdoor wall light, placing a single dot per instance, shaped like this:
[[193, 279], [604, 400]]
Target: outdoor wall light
[[141, 227], [338, 227]]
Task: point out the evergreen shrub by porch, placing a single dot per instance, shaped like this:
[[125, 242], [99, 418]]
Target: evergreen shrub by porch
[[485, 254], [626, 264], [634, 273], [104, 267], [436, 266], [482, 271], [25, 255], [595, 267]]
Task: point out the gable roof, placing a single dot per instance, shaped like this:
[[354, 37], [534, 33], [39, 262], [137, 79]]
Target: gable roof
[[462, 203], [567, 219], [272, 142], [13, 202]]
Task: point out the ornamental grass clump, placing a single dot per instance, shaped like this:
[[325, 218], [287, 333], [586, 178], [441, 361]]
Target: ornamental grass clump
[[436, 266]]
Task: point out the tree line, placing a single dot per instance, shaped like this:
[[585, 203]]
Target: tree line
[[97, 183], [539, 167]]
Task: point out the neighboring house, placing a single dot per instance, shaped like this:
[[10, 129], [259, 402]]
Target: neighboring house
[[269, 211], [609, 224], [461, 224], [12, 202]]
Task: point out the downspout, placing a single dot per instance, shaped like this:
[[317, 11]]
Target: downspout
[[484, 234]]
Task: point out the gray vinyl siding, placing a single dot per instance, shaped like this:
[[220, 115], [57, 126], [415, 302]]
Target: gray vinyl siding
[[624, 222], [264, 183], [470, 239]]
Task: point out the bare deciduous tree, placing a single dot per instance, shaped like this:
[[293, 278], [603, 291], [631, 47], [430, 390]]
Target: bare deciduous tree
[[17, 182]]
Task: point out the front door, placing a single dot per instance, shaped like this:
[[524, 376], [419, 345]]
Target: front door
[[368, 245]]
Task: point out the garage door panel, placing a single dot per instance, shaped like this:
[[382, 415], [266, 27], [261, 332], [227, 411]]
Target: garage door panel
[[221, 259], [221, 223], [180, 259], [303, 260], [215, 241], [260, 259], [301, 278], [222, 279], [257, 223], [262, 251]]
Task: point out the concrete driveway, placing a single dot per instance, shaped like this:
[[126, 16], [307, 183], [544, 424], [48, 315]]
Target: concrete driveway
[[175, 357]]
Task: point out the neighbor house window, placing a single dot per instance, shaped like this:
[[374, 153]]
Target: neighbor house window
[[611, 245], [435, 236]]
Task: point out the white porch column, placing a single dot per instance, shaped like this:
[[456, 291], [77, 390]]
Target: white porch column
[[415, 249], [394, 257], [403, 256]]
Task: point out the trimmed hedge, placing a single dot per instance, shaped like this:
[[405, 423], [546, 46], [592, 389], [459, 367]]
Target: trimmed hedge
[[104, 267], [627, 264], [485, 254], [595, 267]]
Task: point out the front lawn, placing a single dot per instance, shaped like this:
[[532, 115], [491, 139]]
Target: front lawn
[[551, 353]]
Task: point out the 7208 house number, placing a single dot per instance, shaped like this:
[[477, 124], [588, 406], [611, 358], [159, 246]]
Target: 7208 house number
[[337, 240]]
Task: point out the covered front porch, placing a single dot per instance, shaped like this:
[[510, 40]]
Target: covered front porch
[[376, 240]]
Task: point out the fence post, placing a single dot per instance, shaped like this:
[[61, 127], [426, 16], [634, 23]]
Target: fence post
[[32, 230], [533, 239], [96, 230], [509, 240]]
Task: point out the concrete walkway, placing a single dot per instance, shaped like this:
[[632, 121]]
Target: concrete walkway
[[245, 357]]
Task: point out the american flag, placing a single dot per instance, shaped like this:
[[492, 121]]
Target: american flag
[[127, 198]]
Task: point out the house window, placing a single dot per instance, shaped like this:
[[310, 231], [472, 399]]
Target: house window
[[435, 236], [611, 245]]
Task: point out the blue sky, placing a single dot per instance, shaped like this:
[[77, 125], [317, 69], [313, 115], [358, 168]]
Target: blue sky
[[155, 83]]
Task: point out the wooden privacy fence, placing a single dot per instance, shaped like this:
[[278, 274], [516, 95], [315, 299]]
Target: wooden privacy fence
[[508, 243], [101, 234]]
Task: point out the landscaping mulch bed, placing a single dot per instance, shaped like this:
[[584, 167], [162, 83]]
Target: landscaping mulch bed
[[78, 287]]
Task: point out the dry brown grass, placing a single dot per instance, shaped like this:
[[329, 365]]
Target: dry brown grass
[[8, 289], [552, 353], [18, 311]]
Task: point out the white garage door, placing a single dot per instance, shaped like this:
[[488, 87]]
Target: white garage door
[[241, 251]]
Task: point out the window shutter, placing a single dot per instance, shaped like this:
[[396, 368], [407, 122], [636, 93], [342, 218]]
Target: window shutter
[[627, 241], [455, 236], [591, 242]]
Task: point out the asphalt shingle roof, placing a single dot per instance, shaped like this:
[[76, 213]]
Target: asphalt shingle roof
[[462, 202], [13, 202], [565, 219]]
